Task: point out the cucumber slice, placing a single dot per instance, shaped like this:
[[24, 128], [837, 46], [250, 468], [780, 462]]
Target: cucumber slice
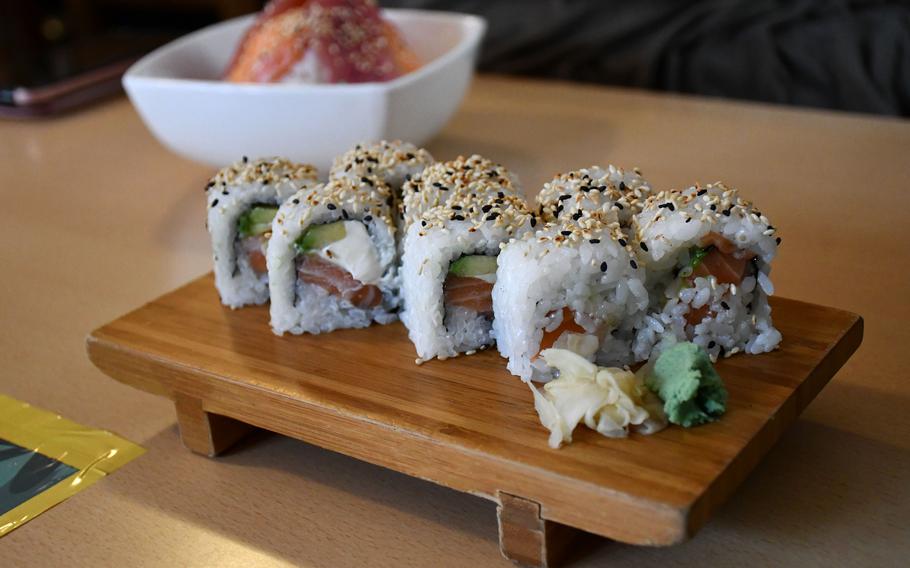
[[320, 236], [473, 265], [257, 220]]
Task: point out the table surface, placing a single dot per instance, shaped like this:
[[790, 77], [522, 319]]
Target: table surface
[[98, 218]]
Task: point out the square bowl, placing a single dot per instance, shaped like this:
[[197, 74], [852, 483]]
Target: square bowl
[[178, 92]]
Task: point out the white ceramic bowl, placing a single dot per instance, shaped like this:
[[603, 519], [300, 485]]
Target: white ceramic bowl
[[178, 94]]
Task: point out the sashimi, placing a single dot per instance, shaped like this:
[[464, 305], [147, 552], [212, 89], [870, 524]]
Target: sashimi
[[348, 41]]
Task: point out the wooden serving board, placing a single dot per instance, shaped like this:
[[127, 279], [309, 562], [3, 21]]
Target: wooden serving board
[[466, 423]]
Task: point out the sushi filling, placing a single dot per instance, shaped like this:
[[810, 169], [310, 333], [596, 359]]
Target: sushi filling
[[254, 227], [562, 331], [341, 259], [468, 298], [717, 299], [719, 259]]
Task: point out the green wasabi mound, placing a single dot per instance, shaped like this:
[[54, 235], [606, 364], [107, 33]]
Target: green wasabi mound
[[692, 391]]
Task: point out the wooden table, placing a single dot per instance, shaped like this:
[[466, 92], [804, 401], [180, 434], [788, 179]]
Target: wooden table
[[97, 218]]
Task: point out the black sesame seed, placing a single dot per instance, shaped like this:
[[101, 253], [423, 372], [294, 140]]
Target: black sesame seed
[[576, 216], [726, 212], [296, 201], [456, 207], [500, 195], [702, 192], [603, 266], [566, 233], [245, 159], [689, 219], [437, 184], [331, 206], [622, 242], [585, 188], [595, 241], [458, 218], [423, 223], [622, 186], [711, 344], [713, 207], [725, 305], [214, 203], [367, 218], [777, 240], [492, 216], [410, 156], [486, 208], [643, 246], [558, 210], [533, 221], [564, 197], [209, 184], [358, 160], [619, 206], [634, 264], [372, 159], [366, 180], [224, 192]]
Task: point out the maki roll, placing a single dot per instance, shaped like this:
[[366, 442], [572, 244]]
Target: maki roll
[[573, 284], [242, 200], [449, 264], [392, 162], [332, 259], [708, 256]]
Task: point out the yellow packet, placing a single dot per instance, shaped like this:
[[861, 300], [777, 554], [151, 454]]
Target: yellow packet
[[45, 458]]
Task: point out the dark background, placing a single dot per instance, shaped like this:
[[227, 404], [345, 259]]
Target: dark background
[[837, 54]]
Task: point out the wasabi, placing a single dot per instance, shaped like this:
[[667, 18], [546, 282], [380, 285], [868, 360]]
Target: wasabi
[[685, 380]]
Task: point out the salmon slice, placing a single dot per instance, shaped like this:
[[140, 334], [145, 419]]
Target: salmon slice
[[568, 324], [724, 261], [695, 315], [469, 292], [254, 247], [313, 269], [351, 41]]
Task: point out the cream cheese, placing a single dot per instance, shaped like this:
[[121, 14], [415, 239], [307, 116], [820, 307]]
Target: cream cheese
[[356, 253]]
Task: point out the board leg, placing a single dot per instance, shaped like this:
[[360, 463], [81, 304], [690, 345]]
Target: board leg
[[528, 539], [203, 432]]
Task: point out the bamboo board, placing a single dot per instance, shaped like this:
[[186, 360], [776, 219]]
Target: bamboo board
[[466, 423]]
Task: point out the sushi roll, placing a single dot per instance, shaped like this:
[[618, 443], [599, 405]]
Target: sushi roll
[[332, 259], [594, 188], [575, 283], [242, 200], [449, 268], [708, 255], [392, 162]]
